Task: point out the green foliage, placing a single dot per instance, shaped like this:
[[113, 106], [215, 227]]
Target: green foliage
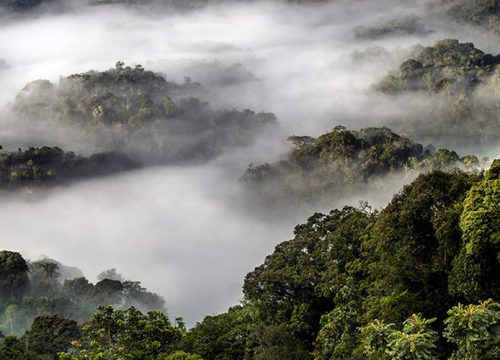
[[375, 339], [180, 355], [476, 268], [134, 294], [350, 267], [338, 335], [13, 275], [415, 341], [77, 299], [44, 278], [139, 112], [13, 348], [50, 335], [475, 329], [351, 284], [446, 66], [297, 284], [126, 334], [408, 254], [457, 82], [51, 165], [443, 159], [341, 160], [276, 342], [224, 336]]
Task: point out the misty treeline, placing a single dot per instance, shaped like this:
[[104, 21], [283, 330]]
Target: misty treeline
[[414, 280], [457, 81], [344, 162], [400, 26], [138, 112], [135, 113], [50, 165], [130, 117], [483, 13], [47, 287]]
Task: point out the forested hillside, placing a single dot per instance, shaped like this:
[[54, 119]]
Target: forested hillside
[[396, 254], [447, 66], [141, 113], [53, 166], [46, 287], [481, 13], [412, 281], [400, 26], [457, 81], [343, 161]]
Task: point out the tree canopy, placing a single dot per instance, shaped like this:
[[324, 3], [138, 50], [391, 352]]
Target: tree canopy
[[51, 165], [141, 113], [344, 161]]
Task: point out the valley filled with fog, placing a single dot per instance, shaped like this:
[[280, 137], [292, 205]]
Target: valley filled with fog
[[188, 228]]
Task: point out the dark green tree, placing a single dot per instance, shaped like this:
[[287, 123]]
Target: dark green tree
[[411, 247], [225, 336], [476, 268], [298, 283], [50, 335], [13, 275], [126, 334], [14, 348]]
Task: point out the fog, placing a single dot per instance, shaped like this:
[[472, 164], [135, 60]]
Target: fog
[[185, 231]]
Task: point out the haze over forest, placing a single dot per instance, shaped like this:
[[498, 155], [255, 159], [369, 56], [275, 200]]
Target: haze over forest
[[179, 142]]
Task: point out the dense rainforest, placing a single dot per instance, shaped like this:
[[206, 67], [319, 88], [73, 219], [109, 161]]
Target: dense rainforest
[[52, 166], [414, 280], [47, 287], [130, 117], [152, 120], [139, 112], [458, 83], [343, 161]]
